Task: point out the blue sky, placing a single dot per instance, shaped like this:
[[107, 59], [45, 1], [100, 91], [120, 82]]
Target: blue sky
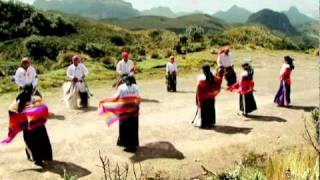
[[309, 7]]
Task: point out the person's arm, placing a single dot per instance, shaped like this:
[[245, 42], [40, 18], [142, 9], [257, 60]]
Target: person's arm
[[119, 70], [19, 78], [70, 73], [84, 70], [34, 77], [167, 68], [219, 59]]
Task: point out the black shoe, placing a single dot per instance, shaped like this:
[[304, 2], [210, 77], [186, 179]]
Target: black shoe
[[130, 149], [39, 163]]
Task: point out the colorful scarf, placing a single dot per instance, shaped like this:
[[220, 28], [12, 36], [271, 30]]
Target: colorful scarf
[[118, 109], [34, 115]]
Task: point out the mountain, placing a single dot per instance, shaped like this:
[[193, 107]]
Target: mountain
[[296, 17], [174, 24], [97, 9], [159, 11], [274, 21], [234, 15]]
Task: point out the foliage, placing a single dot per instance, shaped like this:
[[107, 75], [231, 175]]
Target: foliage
[[195, 33], [315, 114], [67, 176], [21, 20]]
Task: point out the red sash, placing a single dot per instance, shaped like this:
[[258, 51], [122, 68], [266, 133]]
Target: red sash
[[206, 90], [286, 76]]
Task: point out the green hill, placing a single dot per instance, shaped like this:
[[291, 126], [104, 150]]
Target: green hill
[[159, 11], [273, 20], [297, 18], [97, 9], [234, 15], [253, 36], [178, 24]]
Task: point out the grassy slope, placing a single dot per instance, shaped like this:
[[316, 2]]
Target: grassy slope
[[175, 24]]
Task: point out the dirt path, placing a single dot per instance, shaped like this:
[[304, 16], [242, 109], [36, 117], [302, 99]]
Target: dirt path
[[169, 142]]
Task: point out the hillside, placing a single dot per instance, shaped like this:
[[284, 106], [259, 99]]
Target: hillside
[[234, 15], [175, 24], [159, 11], [97, 9], [273, 20], [296, 17]]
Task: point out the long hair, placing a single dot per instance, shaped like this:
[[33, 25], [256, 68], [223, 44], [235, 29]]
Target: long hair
[[129, 80], [208, 74], [289, 60], [24, 97], [247, 67]]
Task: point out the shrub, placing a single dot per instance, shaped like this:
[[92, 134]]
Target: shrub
[[155, 55], [94, 50], [195, 33], [315, 114], [118, 40], [109, 62], [39, 48], [168, 53]]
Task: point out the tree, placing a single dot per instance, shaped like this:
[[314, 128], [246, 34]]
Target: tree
[[195, 33]]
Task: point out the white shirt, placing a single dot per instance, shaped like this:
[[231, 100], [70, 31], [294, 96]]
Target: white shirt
[[171, 67], [225, 60], [125, 67], [127, 91], [77, 71], [23, 77]]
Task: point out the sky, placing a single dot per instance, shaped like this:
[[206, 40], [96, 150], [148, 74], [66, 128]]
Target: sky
[[309, 7]]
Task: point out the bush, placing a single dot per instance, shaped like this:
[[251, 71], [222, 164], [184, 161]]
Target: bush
[[195, 33], [109, 62], [40, 48], [93, 49], [155, 55], [168, 53], [315, 114], [118, 40]]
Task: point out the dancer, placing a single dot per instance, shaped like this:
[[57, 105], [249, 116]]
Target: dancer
[[208, 88], [124, 107], [225, 64], [246, 87], [125, 67], [171, 74], [283, 95], [77, 88], [29, 115]]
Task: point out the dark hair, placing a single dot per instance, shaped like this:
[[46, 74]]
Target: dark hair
[[24, 97], [207, 72], [289, 60], [247, 67], [129, 80]]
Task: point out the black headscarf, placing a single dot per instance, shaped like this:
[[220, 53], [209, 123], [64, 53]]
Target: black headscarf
[[289, 60], [247, 67], [24, 97], [129, 80], [208, 74]]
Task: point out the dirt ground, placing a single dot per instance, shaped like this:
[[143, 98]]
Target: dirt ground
[[168, 140]]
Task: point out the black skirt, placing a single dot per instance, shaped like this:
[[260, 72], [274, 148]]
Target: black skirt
[[208, 113], [38, 146], [171, 82], [230, 76], [247, 103], [129, 132], [283, 95]]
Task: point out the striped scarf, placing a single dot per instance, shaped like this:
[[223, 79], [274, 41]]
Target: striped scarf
[[118, 109], [34, 115]]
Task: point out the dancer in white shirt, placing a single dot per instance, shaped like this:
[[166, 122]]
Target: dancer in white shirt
[[125, 67], [76, 73], [26, 74], [171, 74], [225, 64]]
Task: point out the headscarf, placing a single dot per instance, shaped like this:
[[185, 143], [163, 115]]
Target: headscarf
[[125, 54], [289, 60], [208, 74], [247, 67], [24, 97], [76, 57]]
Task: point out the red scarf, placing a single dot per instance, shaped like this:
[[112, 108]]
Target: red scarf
[[207, 90]]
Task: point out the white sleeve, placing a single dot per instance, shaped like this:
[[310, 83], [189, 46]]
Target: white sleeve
[[219, 60], [19, 78], [70, 73], [119, 68], [176, 67], [84, 70], [34, 77], [137, 90], [167, 68]]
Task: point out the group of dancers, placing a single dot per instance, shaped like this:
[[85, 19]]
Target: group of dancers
[[29, 113]]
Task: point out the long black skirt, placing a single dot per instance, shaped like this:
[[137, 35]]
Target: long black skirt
[[171, 82], [247, 103], [129, 132], [283, 95], [208, 113], [84, 99], [38, 146]]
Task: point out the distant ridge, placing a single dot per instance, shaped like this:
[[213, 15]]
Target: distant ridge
[[235, 14]]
